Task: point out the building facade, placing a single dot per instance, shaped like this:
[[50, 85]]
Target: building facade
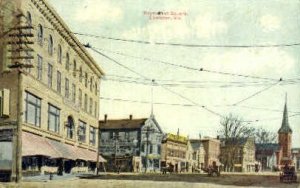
[[174, 152], [195, 155], [238, 154], [267, 154], [212, 151], [50, 93], [296, 158], [285, 139], [131, 145]]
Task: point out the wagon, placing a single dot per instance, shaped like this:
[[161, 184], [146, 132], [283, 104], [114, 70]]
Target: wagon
[[288, 175], [212, 171]]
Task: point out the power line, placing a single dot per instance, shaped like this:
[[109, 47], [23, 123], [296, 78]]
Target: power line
[[188, 67], [256, 93], [175, 93], [189, 45]]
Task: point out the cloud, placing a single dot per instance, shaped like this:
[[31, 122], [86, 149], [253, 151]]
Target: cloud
[[206, 26], [267, 61], [98, 11], [269, 23]]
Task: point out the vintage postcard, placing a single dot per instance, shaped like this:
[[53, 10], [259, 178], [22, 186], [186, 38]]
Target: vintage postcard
[[172, 93]]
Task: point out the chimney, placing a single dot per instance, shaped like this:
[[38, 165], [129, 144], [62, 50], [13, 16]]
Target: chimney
[[105, 118], [130, 116]]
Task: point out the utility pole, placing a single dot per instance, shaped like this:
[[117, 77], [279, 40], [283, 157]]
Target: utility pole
[[18, 45]]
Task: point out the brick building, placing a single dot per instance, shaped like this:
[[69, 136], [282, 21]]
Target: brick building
[[285, 139], [212, 151], [133, 145], [50, 94], [174, 152]]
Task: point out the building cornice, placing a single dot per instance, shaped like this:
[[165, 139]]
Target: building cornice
[[51, 15]]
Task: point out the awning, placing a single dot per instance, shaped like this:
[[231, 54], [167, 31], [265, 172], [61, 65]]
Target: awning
[[37, 145]]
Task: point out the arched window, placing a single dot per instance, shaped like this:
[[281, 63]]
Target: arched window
[[80, 74], [28, 19], [59, 53], [74, 68], [96, 88], [70, 127], [40, 34], [86, 79], [50, 45], [67, 61]]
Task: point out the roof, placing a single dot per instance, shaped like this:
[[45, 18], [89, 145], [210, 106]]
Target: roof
[[122, 124], [285, 127], [268, 146], [195, 144], [238, 141], [176, 138]]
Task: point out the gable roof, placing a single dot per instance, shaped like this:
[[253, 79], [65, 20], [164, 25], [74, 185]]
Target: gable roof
[[122, 124]]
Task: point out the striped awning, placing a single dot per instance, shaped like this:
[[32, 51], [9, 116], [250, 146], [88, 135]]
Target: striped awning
[[36, 145]]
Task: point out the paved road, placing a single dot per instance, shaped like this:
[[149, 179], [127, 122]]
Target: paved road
[[163, 181]]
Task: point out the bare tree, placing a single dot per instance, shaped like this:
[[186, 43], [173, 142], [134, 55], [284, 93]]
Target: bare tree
[[263, 136], [232, 133]]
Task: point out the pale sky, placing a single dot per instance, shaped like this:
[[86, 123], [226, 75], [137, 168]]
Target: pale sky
[[205, 22]]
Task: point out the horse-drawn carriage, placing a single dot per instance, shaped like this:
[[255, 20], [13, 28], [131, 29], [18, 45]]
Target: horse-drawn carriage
[[212, 170], [288, 174]]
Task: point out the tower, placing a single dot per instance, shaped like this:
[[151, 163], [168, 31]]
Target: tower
[[285, 138]]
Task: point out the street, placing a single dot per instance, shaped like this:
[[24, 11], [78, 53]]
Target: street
[[159, 180]]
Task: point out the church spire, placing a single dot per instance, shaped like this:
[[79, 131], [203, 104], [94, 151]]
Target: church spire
[[285, 127]]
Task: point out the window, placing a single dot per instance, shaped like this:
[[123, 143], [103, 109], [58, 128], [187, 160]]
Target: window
[[33, 109], [80, 74], [50, 75], [158, 149], [96, 109], [91, 84], [67, 62], [28, 19], [91, 106], [85, 102], [58, 84], [143, 147], [39, 68], [40, 34], [81, 131], [96, 89], [70, 127], [151, 148], [67, 88], [59, 54], [86, 79], [53, 118], [74, 68], [80, 98], [73, 93], [92, 136], [50, 45]]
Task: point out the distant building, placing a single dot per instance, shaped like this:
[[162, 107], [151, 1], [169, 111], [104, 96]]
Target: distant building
[[267, 154], [296, 158], [242, 154], [285, 139], [195, 156], [131, 144], [174, 151], [212, 151]]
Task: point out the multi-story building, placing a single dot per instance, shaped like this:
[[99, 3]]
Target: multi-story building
[[267, 154], [131, 144], [211, 148], [296, 158], [174, 151], [238, 154], [195, 155], [50, 93]]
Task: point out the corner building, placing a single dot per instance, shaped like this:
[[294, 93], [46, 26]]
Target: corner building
[[49, 94]]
